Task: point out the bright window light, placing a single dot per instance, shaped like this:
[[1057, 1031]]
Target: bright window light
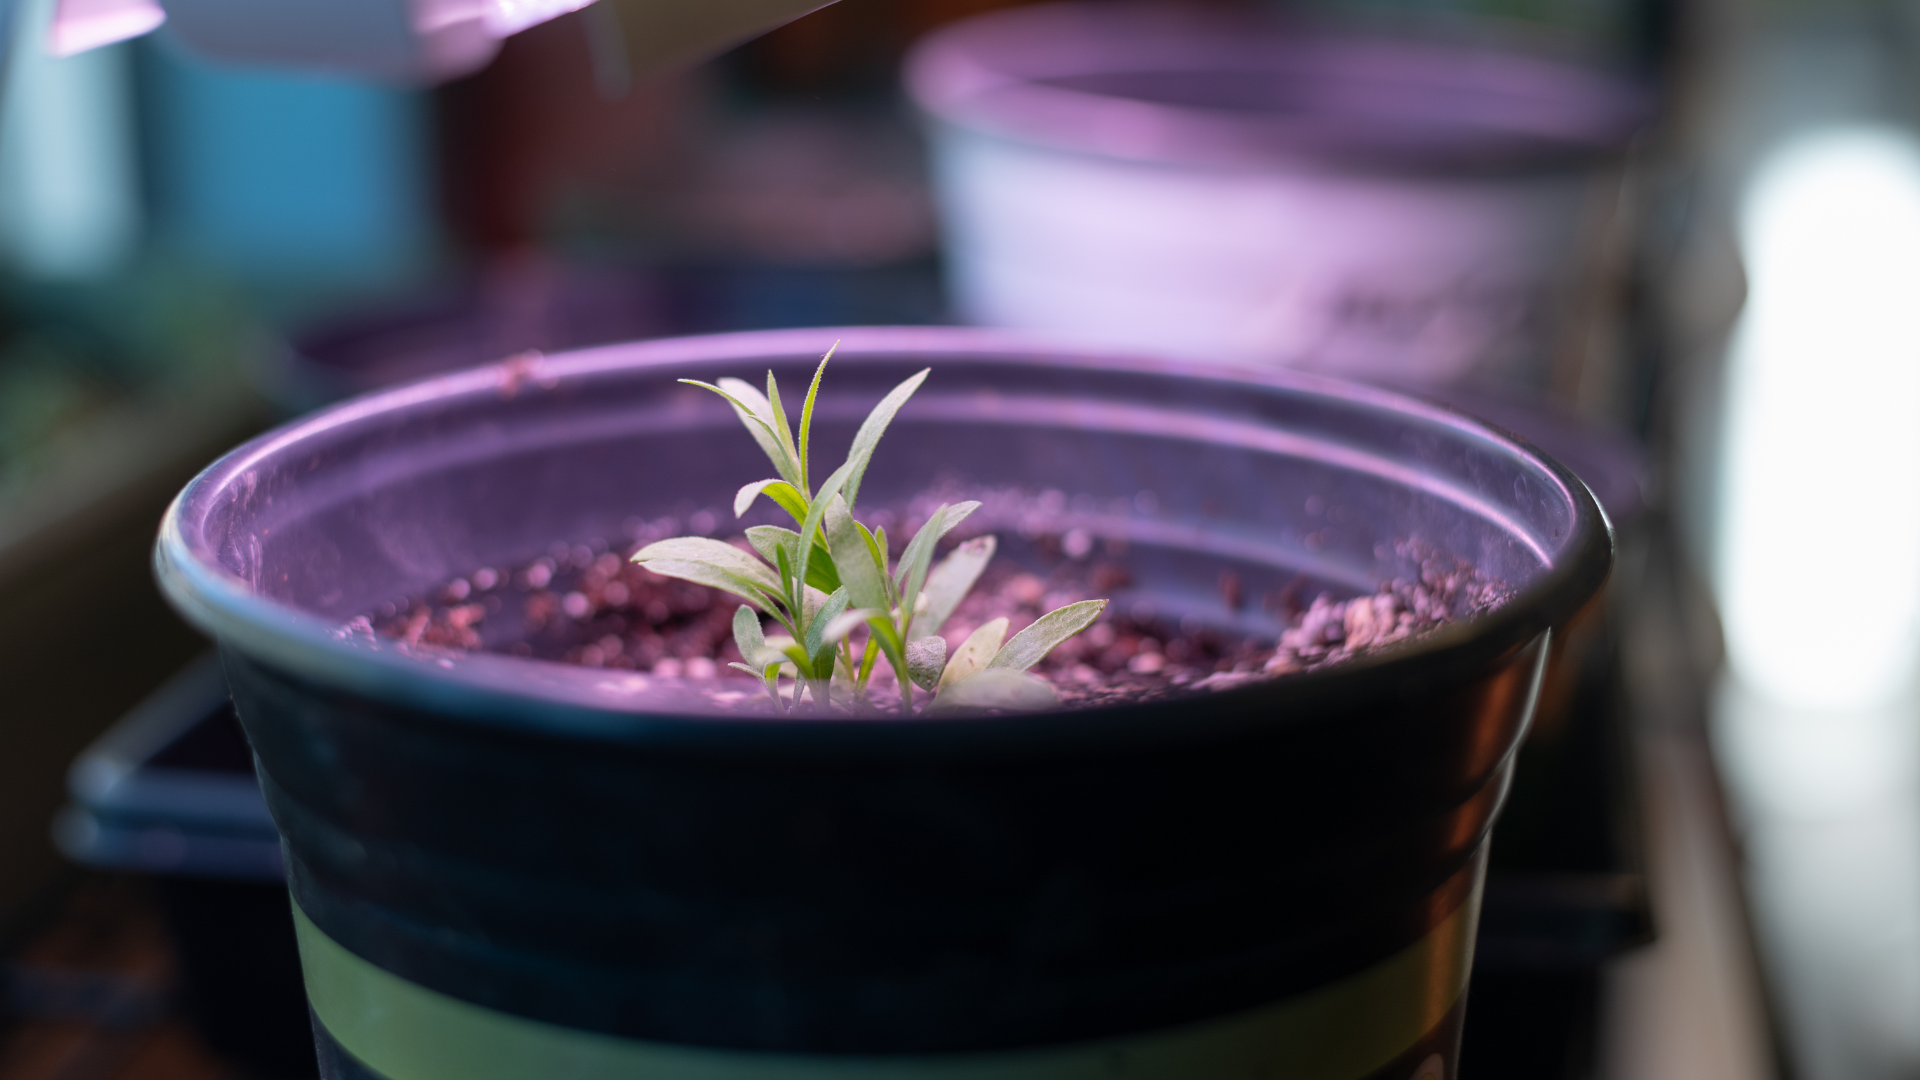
[[1818, 560], [69, 192]]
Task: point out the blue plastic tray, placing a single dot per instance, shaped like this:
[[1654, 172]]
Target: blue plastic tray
[[170, 789]]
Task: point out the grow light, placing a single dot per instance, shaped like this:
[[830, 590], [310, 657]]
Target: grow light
[[395, 39]]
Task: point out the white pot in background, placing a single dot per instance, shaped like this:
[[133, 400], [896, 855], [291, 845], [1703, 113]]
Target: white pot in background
[[1162, 178]]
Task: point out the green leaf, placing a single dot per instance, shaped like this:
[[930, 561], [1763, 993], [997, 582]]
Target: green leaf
[[769, 539], [821, 500], [753, 646], [786, 495], [926, 659], [877, 544], [770, 679], [806, 412], [751, 406], [920, 549], [706, 549], [956, 514], [746, 633], [778, 414], [973, 653], [819, 651], [784, 560], [873, 546], [872, 428], [846, 623], [919, 554], [821, 573], [853, 558], [713, 563], [778, 449], [802, 663], [949, 583], [997, 688], [817, 624], [912, 568], [888, 635], [1031, 645], [707, 574]]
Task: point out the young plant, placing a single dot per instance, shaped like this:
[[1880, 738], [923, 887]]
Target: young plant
[[833, 578]]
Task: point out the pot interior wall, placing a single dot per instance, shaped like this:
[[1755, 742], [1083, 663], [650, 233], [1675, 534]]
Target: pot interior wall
[[1197, 476]]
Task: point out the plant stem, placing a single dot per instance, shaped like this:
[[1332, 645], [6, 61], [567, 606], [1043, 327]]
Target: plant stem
[[906, 692]]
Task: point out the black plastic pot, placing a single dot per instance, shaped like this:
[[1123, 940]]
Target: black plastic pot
[[497, 312], [517, 306], [504, 868]]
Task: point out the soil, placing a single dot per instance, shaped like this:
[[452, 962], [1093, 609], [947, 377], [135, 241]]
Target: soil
[[588, 605]]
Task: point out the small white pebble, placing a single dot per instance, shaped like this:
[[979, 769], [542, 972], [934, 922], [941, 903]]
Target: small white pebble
[[1078, 543], [576, 605], [457, 590], [1225, 680], [615, 594], [485, 578], [1146, 663], [701, 668], [667, 668], [1026, 589]]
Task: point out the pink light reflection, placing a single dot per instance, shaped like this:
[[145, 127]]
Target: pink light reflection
[[504, 17], [79, 25]]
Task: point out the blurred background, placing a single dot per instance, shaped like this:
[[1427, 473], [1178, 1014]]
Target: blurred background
[[1674, 242]]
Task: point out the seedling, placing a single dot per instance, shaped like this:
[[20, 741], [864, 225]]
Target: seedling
[[834, 578]]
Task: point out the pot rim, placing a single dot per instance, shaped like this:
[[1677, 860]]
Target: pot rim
[[506, 692], [1009, 74]]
